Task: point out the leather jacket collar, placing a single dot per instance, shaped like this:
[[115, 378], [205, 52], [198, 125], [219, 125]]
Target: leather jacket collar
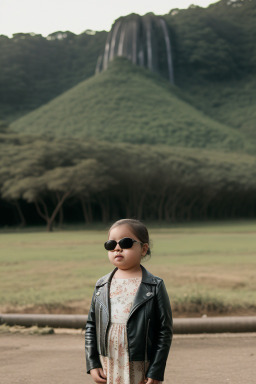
[[144, 293], [147, 277]]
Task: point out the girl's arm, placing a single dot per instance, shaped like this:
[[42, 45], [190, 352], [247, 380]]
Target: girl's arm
[[163, 338], [91, 352]]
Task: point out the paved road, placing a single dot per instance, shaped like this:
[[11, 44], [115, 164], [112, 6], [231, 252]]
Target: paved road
[[59, 359]]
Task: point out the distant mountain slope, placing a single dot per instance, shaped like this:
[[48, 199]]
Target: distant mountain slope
[[35, 69], [127, 103], [232, 103], [217, 42], [214, 54], [213, 51]]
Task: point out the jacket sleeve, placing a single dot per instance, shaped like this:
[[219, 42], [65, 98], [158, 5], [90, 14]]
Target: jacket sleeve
[[163, 339], [91, 352]]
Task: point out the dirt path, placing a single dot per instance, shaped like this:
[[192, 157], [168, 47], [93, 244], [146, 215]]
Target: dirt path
[[59, 359]]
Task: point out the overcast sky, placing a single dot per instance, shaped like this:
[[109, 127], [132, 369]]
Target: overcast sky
[[47, 16]]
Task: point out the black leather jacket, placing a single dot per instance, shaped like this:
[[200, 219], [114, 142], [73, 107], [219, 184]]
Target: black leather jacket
[[149, 325]]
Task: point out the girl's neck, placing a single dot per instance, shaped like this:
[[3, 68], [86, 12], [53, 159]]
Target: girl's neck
[[128, 273]]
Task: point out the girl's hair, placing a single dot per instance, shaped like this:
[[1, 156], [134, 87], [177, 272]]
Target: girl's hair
[[138, 229]]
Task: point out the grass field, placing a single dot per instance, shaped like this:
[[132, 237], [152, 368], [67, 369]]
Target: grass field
[[208, 268]]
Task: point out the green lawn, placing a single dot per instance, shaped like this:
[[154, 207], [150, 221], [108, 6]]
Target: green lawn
[[207, 268]]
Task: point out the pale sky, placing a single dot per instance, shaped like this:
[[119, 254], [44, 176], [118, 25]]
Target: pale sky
[[47, 16]]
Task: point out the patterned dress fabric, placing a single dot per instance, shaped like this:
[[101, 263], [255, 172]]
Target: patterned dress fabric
[[116, 365]]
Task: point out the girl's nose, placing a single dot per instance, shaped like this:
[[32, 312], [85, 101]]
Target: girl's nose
[[118, 248]]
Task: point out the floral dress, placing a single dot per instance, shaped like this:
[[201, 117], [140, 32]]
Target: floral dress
[[116, 365]]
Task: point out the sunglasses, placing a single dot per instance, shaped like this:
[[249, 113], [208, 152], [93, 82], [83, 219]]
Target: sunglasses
[[124, 243]]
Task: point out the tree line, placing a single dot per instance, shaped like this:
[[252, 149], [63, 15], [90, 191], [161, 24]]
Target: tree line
[[61, 180]]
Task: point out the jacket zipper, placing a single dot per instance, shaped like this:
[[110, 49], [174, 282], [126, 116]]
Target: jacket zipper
[[109, 317], [134, 309], [146, 349], [99, 328], [105, 340], [102, 352]]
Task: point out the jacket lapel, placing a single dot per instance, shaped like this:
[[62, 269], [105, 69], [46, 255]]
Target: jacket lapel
[[103, 290], [145, 291], [143, 294]]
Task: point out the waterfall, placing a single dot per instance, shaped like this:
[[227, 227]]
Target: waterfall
[[106, 53], [168, 50], [144, 40], [149, 45], [113, 41], [98, 65], [141, 58], [121, 41], [134, 43]]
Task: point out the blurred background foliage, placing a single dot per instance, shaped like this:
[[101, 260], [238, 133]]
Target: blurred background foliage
[[79, 147], [49, 181]]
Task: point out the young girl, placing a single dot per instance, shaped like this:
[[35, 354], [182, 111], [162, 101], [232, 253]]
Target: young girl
[[129, 327]]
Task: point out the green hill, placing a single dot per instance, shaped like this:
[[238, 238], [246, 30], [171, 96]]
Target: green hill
[[232, 102], [127, 103], [213, 51]]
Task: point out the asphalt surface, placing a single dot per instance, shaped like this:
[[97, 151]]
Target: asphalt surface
[[194, 359]]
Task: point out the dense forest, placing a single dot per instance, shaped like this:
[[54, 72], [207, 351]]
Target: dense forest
[[215, 43], [76, 147], [215, 60], [49, 180], [35, 69]]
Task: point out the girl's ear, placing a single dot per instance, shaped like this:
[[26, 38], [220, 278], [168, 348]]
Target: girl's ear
[[144, 249]]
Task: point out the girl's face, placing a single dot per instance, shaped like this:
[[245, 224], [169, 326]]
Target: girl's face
[[126, 258]]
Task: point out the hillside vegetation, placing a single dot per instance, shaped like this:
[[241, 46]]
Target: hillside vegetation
[[127, 103], [35, 69], [216, 43], [214, 58]]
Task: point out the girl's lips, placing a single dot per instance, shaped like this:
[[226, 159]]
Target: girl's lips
[[119, 257]]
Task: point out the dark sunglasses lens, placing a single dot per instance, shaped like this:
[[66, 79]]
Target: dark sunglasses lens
[[110, 245], [126, 243]]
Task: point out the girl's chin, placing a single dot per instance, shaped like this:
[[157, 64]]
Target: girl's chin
[[118, 263]]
